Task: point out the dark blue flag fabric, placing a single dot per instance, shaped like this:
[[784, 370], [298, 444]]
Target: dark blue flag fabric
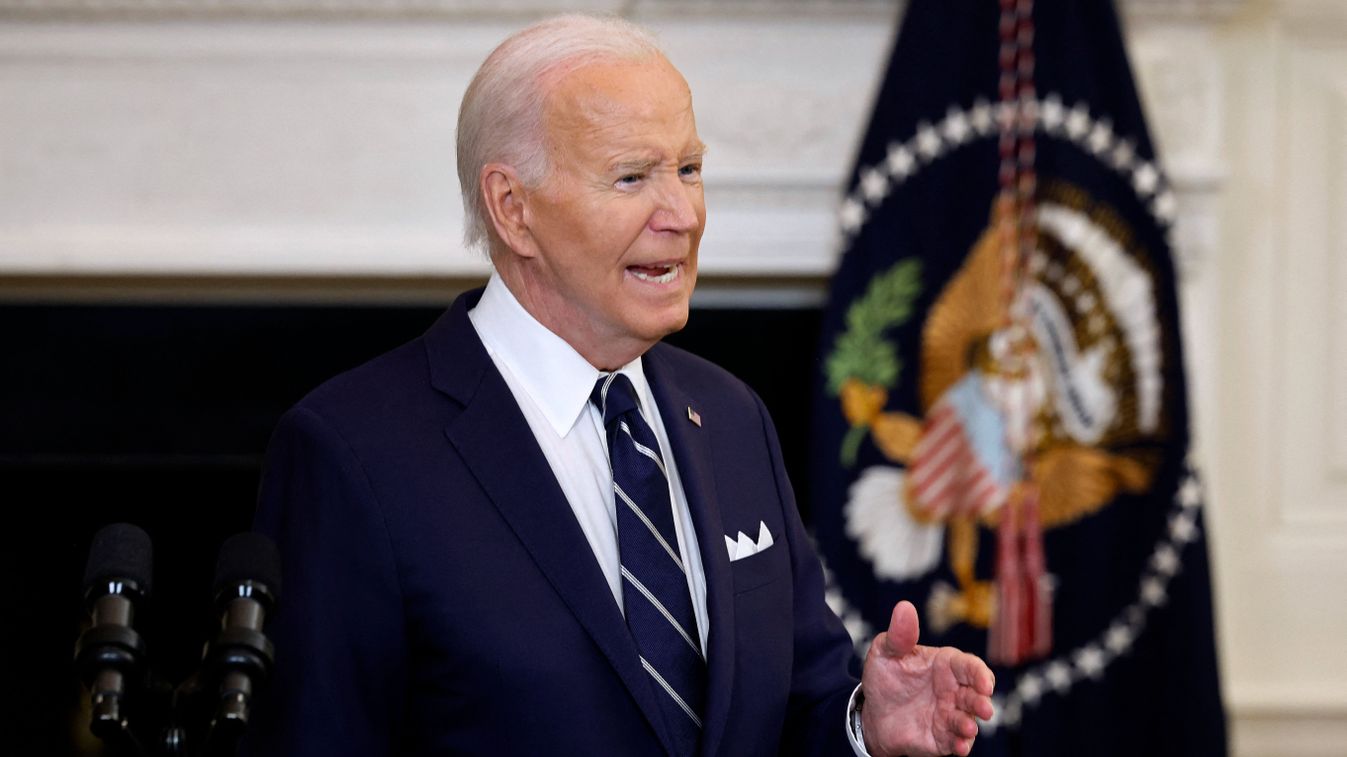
[[1001, 425]]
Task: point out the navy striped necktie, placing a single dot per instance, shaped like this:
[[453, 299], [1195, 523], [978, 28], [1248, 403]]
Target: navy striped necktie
[[654, 581]]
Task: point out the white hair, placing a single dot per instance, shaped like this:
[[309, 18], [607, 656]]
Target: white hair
[[501, 118]]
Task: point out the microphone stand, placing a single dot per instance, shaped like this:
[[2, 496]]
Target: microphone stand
[[108, 719], [207, 714]]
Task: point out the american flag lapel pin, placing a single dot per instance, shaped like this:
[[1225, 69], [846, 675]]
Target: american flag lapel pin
[[694, 416]]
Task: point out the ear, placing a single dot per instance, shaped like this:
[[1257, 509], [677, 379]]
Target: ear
[[507, 206]]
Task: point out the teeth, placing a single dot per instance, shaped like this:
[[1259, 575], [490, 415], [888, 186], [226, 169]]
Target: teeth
[[664, 278]]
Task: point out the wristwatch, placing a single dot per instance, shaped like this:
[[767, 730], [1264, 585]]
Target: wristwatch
[[855, 732]]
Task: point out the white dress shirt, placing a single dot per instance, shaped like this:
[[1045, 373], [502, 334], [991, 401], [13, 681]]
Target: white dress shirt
[[551, 383]]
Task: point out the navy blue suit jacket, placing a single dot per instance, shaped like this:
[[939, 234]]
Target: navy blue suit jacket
[[440, 597]]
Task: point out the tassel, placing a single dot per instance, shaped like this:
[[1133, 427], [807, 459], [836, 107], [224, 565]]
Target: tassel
[[1004, 636], [1022, 629], [1038, 583]]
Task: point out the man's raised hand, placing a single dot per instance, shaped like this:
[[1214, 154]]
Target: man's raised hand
[[921, 701]]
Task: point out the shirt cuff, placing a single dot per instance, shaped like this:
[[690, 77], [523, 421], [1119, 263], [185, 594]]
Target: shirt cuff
[[855, 735]]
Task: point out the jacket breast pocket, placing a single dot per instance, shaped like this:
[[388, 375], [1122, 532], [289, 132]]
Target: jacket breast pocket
[[760, 569]]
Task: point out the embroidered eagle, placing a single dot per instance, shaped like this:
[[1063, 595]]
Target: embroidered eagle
[[1027, 424]]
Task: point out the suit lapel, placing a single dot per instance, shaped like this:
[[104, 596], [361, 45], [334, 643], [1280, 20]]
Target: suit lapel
[[692, 453], [498, 446]]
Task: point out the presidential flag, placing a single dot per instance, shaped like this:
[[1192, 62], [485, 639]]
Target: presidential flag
[[1001, 425]]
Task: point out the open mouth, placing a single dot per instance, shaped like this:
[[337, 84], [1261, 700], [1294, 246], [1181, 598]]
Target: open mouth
[[656, 274]]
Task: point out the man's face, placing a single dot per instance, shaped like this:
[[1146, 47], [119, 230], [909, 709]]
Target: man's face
[[617, 222]]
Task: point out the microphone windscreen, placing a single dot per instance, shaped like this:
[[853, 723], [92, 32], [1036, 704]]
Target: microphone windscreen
[[249, 556], [120, 551]]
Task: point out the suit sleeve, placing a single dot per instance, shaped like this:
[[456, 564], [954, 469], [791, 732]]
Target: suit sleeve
[[821, 683], [339, 681]]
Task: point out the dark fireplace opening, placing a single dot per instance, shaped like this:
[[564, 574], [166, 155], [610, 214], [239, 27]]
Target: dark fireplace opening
[[158, 415]]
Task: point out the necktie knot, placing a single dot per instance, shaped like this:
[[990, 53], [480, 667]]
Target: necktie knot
[[614, 396]]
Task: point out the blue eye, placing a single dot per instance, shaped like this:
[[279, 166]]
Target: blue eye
[[630, 179], [691, 170]]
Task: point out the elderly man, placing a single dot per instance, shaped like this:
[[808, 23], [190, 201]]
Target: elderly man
[[519, 533]]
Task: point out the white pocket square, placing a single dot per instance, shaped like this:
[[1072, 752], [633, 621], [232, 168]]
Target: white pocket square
[[746, 547]]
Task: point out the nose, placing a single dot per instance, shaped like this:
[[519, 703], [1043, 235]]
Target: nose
[[678, 206]]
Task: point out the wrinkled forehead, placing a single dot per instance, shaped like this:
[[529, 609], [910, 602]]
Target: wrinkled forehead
[[644, 89]]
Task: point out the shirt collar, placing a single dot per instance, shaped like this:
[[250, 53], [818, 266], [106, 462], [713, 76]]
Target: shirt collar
[[555, 376]]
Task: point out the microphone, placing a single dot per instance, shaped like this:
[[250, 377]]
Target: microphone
[[110, 652], [247, 587]]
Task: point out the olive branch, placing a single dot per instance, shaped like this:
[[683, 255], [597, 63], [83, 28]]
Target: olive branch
[[861, 353]]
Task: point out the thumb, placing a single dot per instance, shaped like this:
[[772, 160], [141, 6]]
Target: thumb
[[903, 630]]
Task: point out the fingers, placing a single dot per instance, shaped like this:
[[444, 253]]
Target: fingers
[[962, 726], [984, 708], [970, 670], [903, 631], [963, 731], [973, 703]]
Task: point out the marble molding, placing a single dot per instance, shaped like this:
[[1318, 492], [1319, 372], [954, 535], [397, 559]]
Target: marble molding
[[115, 124], [497, 8]]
